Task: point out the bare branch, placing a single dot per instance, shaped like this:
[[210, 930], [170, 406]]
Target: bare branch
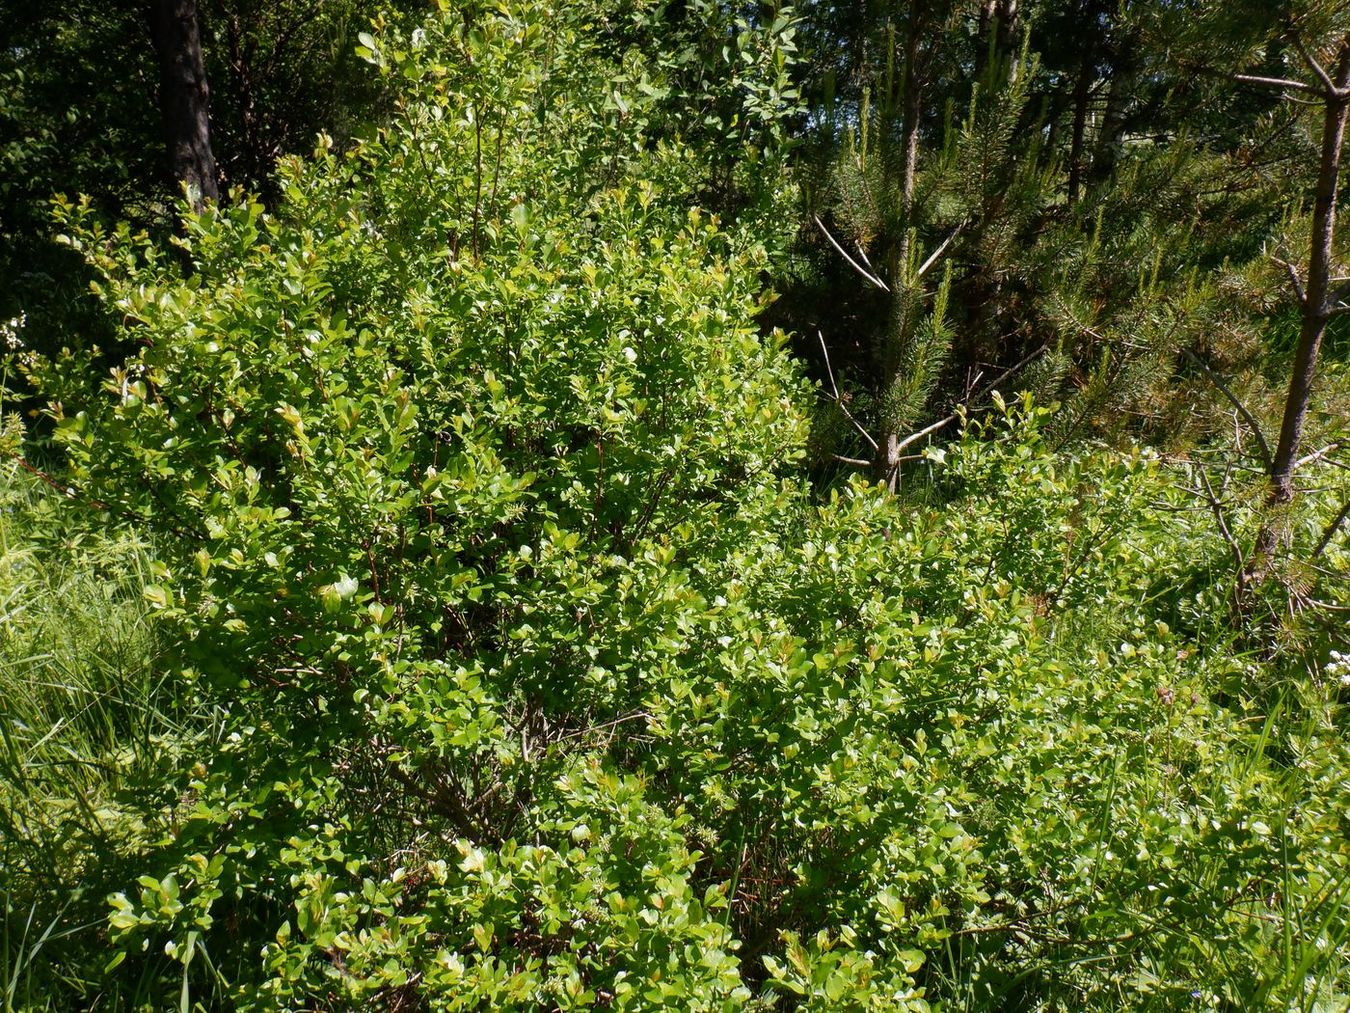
[[68, 491], [844, 253], [862, 255], [1217, 509], [829, 370], [859, 461], [1330, 448], [1247, 416], [1282, 83], [839, 400], [1331, 529], [856, 424], [938, 252], [1294, 280], [927, 430], [913, 438]]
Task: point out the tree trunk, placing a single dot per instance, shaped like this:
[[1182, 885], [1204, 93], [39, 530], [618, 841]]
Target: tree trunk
[[1081, 94], [998, 30], [1116, 115], [887, 459], [909, 135], [1316, 301], [184, 97], [254, 158]]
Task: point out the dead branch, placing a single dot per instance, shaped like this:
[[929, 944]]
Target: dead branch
[[1247, 416], [1330, 531], [1317, 455], [932, 258], [1283, 83], [1294, 279], [1216, 508], [839, 400], [927, 430], [844, 253]]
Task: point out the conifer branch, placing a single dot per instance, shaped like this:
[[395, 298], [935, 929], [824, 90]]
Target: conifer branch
[[1330, 531], [927, 430], [1313, 65]]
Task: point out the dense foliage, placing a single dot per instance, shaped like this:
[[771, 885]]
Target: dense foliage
[[437, 604]]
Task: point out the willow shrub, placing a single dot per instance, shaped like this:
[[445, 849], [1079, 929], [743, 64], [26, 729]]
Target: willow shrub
[[542, 681]]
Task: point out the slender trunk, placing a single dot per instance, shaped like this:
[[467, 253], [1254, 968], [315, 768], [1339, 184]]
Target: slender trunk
[[184, 97], [1316, 303], [909, 135], [1007, 26], [1317, 297], [886, 461], [241, 69], [998, 30], [1081, 94], [1114, 118]]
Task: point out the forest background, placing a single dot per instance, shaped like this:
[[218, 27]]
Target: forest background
[[633, 505]]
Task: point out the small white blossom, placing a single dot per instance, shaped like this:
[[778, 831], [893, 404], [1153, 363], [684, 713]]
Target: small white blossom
[[9, 332], [1339, 667]]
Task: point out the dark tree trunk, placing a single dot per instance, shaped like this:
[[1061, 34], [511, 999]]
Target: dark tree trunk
[[1005, 14], [254, 160], [1110, 138], [1081, 94], [184, 97], [998, 30]]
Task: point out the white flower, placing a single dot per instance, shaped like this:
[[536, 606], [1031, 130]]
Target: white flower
[[1339, 667], [9, 332]]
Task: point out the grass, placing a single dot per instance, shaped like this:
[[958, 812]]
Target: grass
[[87, 720]]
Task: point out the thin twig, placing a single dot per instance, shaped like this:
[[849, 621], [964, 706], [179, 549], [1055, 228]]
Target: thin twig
[[1313, 65], [915, 437], [862, 254], [839, 400], [1331, 529], [844, 253], [938, 252], [1317, 455], [634, 716], [68, 491], [829, 370], [1294, 280], [1217, 509], [1241, 408], [1275, 82]]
